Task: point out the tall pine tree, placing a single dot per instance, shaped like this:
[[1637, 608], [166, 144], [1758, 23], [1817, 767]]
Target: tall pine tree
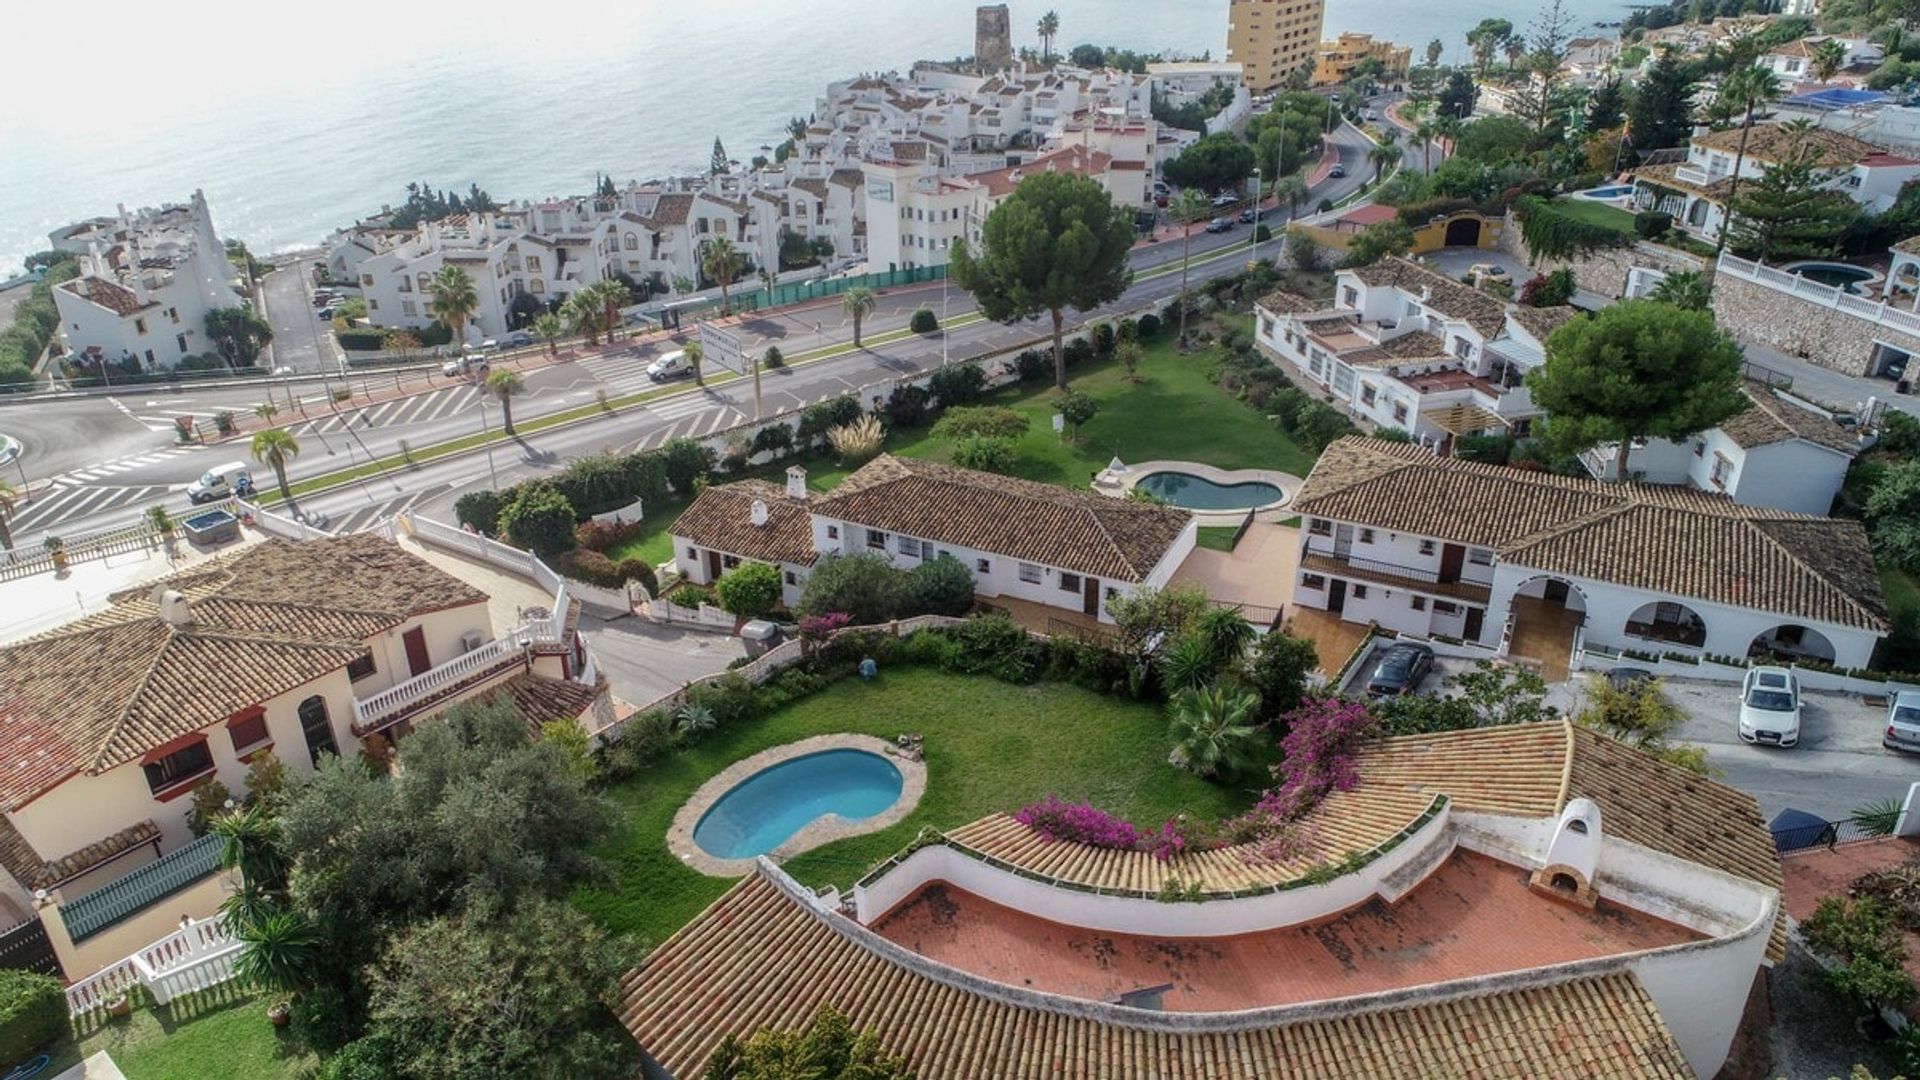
[[1607, 105], [1789, 212], [1662, 112], [719, 165]]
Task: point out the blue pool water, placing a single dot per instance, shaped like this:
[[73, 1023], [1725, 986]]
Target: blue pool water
[[1841, 275], [1618, 191], [1193, 493], [761, 812]]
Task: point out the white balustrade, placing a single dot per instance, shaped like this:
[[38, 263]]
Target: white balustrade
[[94, 991], [1829, 295], [192, 958], [499, 652]]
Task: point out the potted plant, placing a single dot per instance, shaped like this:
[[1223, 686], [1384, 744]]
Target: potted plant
[[56, 547], [119, 1005], [280, 1012], [160, 521]]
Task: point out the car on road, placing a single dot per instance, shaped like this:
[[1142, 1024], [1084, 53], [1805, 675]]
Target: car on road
[[1903, 722], [1489, 271], [1337, 171], [1770, 707], [671, 366], [1220, 225], [221, 482], [1372, 115], [1225, 200], [1249, 216], [1400, 670], [1628, 680], [518, 339], [283, 370], [476, 363]]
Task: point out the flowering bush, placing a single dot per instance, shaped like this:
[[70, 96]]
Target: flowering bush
[[1079, 823], [1322, 739], [822, 627]]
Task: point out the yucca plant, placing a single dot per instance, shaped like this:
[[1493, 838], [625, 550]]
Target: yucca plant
[[858, 441], [280, 949]]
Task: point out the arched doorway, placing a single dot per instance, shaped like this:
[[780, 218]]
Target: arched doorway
[[1666, 622], [317, 727], [1463, 231], [1547, 613], [1697, 213], [1791, 641]]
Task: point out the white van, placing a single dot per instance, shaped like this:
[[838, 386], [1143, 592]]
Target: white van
[[221, 482], [671, 366]]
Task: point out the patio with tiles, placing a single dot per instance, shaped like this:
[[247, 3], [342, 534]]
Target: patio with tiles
[[1543, 632], [1474, 916], [1258, 572], [1334, 638]]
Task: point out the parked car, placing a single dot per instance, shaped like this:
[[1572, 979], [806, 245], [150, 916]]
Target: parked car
[[220, 482], [474, 363], [1770, 707], [1486, 270], [323, 313], [1225, 200], [1400, 670], [1372, 115], [1162, 200], [1249, 216], [1628, 679], [1337, 171], [1220, 224], [671, 366], [518, 339], [1903, 722]]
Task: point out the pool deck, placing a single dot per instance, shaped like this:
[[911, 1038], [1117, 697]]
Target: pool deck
[[821, 830], [1119, 484]]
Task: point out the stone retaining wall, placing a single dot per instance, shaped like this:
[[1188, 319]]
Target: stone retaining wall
[[1604, 272], [1800, 327]]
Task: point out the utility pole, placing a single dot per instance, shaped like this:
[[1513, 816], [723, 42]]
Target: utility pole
[[486, 435]]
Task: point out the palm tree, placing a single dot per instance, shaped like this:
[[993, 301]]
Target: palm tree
[[1383, 154], [582, 315], [454, 300], [504, 385], [280, 949], [611, 295], [7, 503], [251, 842], [550, 326], [1828, 57], [696, 352], [1187, 207], [1687, 289], [1746, 89], [1049, 29], [858, 303], [1424, 135], [721, 263], [1291, 190], [1213, 730], [1189, 663], [1516, 48], [274, 447], [769, 277]]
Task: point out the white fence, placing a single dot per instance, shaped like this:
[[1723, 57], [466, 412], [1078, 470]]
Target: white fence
[[705, 617], [195, 957], [1828, 295], [513, 560]]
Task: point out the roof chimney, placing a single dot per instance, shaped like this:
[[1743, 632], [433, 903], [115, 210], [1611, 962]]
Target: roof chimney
[[176, 608], [797, 483], [760, 513]]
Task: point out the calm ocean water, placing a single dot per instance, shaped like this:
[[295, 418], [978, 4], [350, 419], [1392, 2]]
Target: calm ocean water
[[298, 118]]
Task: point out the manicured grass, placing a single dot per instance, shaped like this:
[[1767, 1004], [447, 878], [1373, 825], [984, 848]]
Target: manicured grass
[[990, 746], [219, 1034], [1218, 537], [1901, 589], [1596, 213]]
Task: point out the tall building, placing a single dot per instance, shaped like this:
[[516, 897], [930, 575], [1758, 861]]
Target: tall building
[[1337, 58], [1272, 39], [992, 36]]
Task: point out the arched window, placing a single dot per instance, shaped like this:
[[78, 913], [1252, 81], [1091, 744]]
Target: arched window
[[633, 242], [318, 729]]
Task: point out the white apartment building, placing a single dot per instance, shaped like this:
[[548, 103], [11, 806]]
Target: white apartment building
[[1695, 191], [1071, 550], [147, 281], [1532, 564], [1405, 347]]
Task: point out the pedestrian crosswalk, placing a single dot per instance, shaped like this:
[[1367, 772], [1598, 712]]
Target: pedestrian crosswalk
[[46, 509], [128, 463], [413, 409], [374, 516]]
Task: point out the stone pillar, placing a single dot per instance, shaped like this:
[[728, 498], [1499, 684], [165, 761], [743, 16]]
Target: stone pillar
[[992, 36]]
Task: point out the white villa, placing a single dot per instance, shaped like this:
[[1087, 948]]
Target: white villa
[[1026, 542], [1777, 453], [295, 649], [1533, 564], [146, 283], [1695, 191], [1406, 347]]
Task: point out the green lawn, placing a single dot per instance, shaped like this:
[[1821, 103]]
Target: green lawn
[[1218, 537], [990, 747], [1173, 413], [1902, 591], [219, 1034], [1596, 213]]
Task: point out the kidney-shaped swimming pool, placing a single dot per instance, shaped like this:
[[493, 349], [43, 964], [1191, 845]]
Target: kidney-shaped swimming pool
[[1198, 493], [766, 809]]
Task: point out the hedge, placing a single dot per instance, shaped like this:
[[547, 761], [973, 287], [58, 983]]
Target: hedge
[[33, 1012], [370, 340]]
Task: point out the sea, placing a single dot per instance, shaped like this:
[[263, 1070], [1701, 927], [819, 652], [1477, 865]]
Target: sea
[[297, 118]]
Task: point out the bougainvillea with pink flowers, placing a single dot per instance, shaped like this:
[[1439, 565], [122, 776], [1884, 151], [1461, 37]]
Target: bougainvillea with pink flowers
[[1053, 818], [822, 627]]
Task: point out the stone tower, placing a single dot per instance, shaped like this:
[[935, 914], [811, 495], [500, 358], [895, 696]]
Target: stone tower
[[992, 36]]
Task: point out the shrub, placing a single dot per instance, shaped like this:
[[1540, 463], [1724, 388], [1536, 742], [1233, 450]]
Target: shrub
[[1861, 936], [692, 596], [994, 421], [986, 453], [923, 321], [1262, 233], [734, 458], [776, 440], [1078, 351], [33, 1012], [605, 536], [644, 476], [998, 647], [685, 462], [1149, 325], [1076, 408], [1053, 819], [592, 567], [858, 441], [1033, 366], [1651, 224], [646, 739], [640, 570], [772, 358], [907, 405], [864, 587], [1104, 339], [957, 385], [539, 519], [942, 586], [750, 590], [822, 627]]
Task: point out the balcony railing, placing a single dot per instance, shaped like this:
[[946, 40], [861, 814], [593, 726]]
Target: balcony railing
[[1408, 577], [500, 655], [192, 958]]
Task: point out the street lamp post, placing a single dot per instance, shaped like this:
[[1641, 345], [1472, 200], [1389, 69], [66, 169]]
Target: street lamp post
[[1254, 256], [486, 437]]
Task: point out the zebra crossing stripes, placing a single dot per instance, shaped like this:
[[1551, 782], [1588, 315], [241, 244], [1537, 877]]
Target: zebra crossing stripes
[[61, 502], [124, 464], [414, 409]]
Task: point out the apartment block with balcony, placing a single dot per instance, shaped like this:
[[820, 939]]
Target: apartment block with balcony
[[1335, 60], [1405, 347], [1532, 565], [1272, 39]]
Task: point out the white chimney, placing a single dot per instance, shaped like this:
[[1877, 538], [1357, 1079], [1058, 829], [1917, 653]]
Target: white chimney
[[759, 513], [176, 608], [1573, 855], [797, 483]]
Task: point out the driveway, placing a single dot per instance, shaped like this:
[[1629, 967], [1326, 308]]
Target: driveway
[[300, 341], [644, 662], [1455, 262]]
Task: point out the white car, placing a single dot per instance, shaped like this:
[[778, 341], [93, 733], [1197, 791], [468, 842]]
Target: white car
[[1903, 722], [1770, 707], [671, 366]]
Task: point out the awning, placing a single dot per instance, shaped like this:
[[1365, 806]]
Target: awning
[[1463, 419]]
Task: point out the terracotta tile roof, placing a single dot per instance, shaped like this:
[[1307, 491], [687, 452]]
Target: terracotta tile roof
[[1077, 531], [815, 188], [1074, 159], [32, 872], [1667, 175], [1773, 141], [1443, 294], [670, 210], [1282, 302], [760, 957], [541, 701], [1659, 538], [111, 295], [1908, 246], [1415, 345], [909, 151], [104, 690], [1541, 321], [1772, 419], [846, 178], [722, 519]]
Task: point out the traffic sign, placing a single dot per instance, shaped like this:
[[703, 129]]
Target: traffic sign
[[721, 347]]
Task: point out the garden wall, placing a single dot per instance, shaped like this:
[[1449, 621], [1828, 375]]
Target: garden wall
[[1802, 327], [1603, 272]]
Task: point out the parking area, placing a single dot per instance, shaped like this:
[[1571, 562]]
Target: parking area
[[644, 662]]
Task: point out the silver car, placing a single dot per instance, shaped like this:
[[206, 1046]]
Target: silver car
[[1903, 722]]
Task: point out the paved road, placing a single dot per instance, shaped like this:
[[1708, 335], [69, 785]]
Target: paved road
[[300, 341]]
